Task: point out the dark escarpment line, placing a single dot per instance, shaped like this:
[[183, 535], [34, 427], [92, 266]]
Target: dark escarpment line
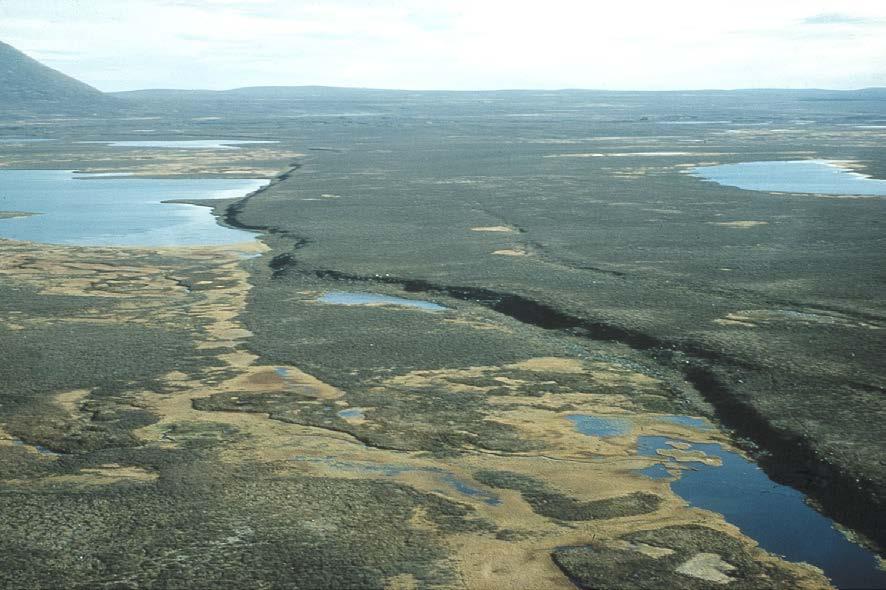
[[785, 457], [535, 313], [788, 459], [231, 213]]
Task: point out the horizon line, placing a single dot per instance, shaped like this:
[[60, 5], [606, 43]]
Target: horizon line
[[565, 89]]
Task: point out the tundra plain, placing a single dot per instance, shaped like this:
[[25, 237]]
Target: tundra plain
[[200, 417]]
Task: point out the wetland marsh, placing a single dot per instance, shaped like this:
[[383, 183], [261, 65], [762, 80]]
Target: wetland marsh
[[370, 395]]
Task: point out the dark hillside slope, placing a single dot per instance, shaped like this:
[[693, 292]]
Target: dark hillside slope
[[28, 86]]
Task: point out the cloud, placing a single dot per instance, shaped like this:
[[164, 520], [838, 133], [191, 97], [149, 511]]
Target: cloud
[[838, 18], [456, 44]]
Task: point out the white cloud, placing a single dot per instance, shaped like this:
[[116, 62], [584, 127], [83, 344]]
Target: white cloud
[[837, 18], [460, 44]]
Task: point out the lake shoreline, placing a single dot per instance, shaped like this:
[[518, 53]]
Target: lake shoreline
[[118, 210]]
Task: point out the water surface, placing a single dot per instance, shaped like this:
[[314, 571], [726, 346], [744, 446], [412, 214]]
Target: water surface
[[469, 490], [356, 298], [23, 139], [687, 421], [602, 426], [351, 413], [116, 211], [39, 448], [657, 471], [776, 516], [183, 144], [821, 177]]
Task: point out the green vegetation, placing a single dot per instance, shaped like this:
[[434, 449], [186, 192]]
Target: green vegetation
[[653, 559], [573, 233], [553, 504]]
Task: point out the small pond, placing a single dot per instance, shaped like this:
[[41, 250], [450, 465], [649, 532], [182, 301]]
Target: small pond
[[353, 413], [602, 426], [392, 470], [39, 448], [356, 298]]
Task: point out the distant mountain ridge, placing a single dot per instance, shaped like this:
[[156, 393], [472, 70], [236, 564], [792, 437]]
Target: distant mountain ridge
[[32, 88], [26, 85], [872, 93]]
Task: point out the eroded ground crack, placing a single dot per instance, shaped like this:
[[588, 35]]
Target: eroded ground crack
[[786, 457], [718, 376]]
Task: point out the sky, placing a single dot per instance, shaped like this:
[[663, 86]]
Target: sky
[[455, 44]]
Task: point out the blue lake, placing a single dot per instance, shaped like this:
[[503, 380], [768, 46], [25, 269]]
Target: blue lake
[[354, 298], [74, 209], [776, 516], [800, 176]]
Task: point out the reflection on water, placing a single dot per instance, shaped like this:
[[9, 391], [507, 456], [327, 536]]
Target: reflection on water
[[822, 177], [469, 490], [688, 422], [776, 516], [39, 448], [695, 122], [354, 298], [111, 211], [351, 413], [17, 140], [657, 471], [602, 426], [183, 144]]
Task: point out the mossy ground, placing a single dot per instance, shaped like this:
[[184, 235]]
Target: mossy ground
[[150, 439], [178, 457]]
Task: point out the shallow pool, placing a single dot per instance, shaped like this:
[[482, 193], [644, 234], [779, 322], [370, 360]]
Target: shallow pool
[[356, 298], [824, 177], [392, 470], [351, 413], [76, 209], [602, 426]]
